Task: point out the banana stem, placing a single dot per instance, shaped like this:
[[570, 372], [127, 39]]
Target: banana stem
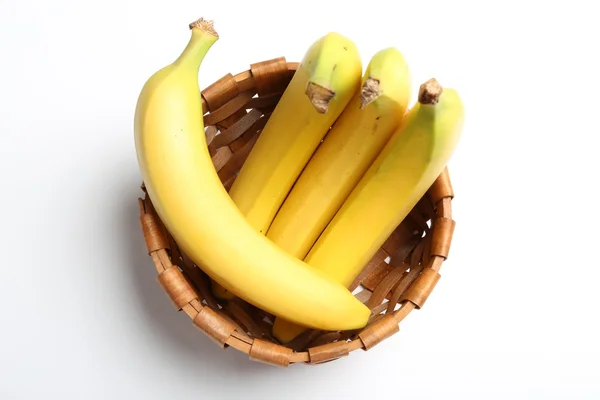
[[204, 25], [202, 38], [430, 92], [319, 96], [370, 92]]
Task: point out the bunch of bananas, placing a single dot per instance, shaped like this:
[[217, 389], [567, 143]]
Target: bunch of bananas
[[340, 163]]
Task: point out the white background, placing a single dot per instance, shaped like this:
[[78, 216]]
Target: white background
[[515, 315]]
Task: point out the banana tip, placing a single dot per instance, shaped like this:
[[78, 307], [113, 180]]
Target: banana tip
[[319, 96], [204, 25], [430, 91]]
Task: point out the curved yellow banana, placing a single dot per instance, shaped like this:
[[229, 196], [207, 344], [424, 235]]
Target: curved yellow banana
[[348, 150], [402, 173], [188, 196], [408, 165], [325, 81], [220, 292]]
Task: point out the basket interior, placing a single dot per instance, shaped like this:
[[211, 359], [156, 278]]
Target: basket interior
[[396, 281]]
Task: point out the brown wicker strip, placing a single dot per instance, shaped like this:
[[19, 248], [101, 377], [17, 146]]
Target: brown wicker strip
[[237, 129], [249, 136], [328, 352], [270, 353], [229, 121], [221, 157], [270, 76], [220, 92], [421, 288], [245, 319], [153, 234], [228, 109], [177, 287], [443, 229], [375, 266], [214, 326], [386, 285], [264, 102], [375, 333], [407, 279]]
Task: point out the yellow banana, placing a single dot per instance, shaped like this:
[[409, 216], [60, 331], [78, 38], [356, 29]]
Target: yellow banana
[[407, 166], [220, 292], [349, 148], [188, 196], [325, 81]]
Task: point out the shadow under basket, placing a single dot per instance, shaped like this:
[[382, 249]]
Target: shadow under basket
[[396, 281]]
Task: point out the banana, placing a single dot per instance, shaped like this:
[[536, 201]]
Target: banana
[[188, 196], [407, 166], [349, 148], [325, 81], [220, 292]]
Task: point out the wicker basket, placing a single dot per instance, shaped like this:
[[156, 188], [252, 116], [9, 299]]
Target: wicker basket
[[397, 280]]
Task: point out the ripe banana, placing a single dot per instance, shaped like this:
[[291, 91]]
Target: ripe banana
[[188, 196], [349, 148], [325, 81], [220, 292], [407, 166]]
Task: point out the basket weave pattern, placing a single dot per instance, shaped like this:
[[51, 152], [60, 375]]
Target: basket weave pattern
[[396, 281]]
